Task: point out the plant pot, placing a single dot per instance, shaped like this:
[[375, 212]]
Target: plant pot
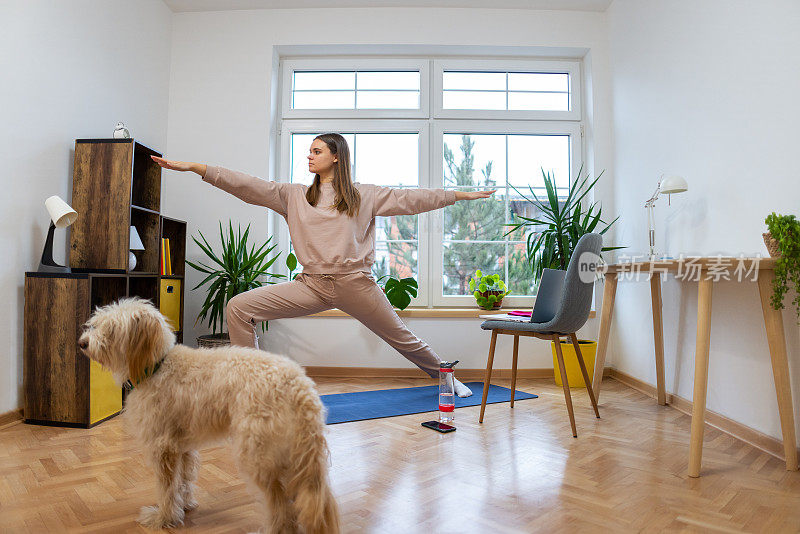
[[214, 340], [574, 375], [772, 245], [497, 303]]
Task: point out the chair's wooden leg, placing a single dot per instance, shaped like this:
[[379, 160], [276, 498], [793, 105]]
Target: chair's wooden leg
[[488, 377], [609, 293], [514, 370], [584, 372], [565, 384]]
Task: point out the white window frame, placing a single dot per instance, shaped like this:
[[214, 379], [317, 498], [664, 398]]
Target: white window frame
[[431, 122], [573, 68], [436, 271], [420, 127], [289, 66]]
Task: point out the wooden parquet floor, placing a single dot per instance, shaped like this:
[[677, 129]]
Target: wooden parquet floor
[[519, 472]]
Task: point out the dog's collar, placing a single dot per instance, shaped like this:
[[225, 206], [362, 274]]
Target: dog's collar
[[148, 372]]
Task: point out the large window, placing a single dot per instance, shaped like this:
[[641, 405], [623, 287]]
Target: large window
[[453, 124]]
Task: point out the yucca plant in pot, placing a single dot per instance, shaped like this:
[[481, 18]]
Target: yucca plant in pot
[[237, 270], [560, 224], [553, 235]]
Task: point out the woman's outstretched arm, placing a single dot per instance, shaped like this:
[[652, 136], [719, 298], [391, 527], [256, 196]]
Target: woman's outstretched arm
[[251, 189], [394, 201], [199, 168]]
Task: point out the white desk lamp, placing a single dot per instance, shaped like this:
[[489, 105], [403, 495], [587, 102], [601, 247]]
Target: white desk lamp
[[669, 184], [61, 216], [135, 244]]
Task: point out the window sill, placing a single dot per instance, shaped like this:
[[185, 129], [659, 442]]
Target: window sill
[[428, 312]]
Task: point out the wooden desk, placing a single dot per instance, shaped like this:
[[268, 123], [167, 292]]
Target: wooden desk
[[704, 270]]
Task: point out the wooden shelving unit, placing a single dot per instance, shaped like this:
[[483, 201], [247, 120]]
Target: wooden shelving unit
[[116, 185]]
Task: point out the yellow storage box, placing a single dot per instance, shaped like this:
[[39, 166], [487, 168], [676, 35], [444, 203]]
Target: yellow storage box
[[105, 397], [574, 375], [170, 301]]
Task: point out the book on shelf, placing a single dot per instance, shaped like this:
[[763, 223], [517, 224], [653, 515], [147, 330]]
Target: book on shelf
[[169, 258], [166, 260]]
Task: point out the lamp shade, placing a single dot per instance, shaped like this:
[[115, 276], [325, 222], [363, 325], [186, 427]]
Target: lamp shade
[[60, 212], [136, 241], [672, 183]]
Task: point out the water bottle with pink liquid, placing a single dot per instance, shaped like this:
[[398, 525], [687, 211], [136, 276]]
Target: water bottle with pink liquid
[[447, 403]]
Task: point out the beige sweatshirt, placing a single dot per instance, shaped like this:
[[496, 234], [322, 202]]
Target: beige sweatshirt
[[324, 240]]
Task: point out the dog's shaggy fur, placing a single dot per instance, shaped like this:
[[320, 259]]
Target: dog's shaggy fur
[[264, 402]]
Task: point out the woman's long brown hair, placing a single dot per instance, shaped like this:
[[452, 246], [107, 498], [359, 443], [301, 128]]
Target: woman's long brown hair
[[347, 199]]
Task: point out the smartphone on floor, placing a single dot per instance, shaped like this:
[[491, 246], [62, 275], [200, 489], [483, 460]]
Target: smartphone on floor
[[439, 427]]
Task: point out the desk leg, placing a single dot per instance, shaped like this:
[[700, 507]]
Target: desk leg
[[658, 335], [700, 374], [609, 292], [773, 322]]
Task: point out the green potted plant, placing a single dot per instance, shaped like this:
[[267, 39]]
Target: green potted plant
[[399, 291], [488, 290], [783, 243], [555, 232], [237, 270], [553, 235], [291, 264]]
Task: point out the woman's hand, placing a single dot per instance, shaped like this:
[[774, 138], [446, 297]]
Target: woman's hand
[[180, 165], [473, 195]]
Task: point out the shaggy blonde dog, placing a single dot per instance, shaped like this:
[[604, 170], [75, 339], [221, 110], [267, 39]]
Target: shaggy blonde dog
[[183, 398]]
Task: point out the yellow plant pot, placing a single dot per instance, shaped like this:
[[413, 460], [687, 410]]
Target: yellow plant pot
[[574, 375]]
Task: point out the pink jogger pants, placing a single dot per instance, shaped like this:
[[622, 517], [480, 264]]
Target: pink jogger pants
[[356, 294]]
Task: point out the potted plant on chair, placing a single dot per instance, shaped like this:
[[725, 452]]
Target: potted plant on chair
[[237, 270], [555, 231]]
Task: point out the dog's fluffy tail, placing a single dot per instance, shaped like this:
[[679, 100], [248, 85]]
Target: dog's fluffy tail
[[314, 503]]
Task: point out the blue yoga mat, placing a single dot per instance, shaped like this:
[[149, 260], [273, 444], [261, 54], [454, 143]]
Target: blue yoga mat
[[361, 405]]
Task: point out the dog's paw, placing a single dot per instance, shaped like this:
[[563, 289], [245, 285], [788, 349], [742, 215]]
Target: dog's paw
[[190, 504], [152, 517]]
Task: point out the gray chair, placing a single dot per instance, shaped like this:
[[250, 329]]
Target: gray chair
[[571, 315]]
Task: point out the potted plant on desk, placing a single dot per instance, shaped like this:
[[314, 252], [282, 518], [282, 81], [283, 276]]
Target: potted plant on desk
[[553, 235], [237, 270], [783, 243]]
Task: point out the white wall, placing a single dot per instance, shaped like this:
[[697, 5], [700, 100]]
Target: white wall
[[707, 90], [69, 70], [220, 96]]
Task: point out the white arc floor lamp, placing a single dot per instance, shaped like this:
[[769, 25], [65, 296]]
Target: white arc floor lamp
[[668, 184]]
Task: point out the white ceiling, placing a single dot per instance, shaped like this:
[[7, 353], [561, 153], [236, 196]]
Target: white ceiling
[[179, 6]]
